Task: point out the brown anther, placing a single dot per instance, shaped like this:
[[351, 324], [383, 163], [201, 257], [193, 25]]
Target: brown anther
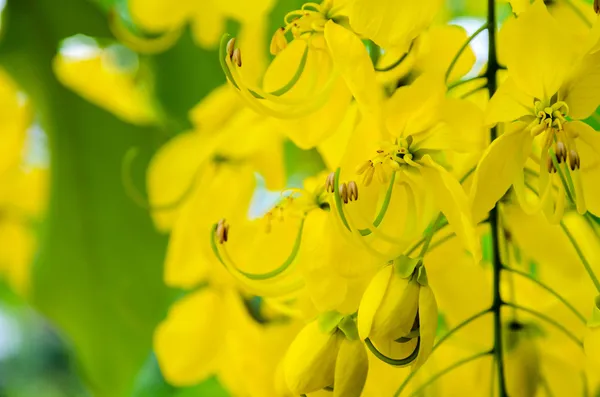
[[237, 57], [352, 191], [597, 6], [561, 151], [230, 47], [222, 231], [550, 165], [344, 193], [330, 183], [574, 160], [379, 151]]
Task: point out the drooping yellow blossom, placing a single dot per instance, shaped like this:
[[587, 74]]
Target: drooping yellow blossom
[[327, 354], [546, 95], [96, 75], [399, 308]]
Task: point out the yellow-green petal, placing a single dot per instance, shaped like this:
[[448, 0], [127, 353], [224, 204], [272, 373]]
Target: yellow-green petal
[[428, 320], [453, 203], [371, 300], [500, 164]]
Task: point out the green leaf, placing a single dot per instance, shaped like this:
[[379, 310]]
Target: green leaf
[[98, 276]]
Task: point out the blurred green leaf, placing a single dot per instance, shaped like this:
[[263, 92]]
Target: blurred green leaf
[[98, 276]]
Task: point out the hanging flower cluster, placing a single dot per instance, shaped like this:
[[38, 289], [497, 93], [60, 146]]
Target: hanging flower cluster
[[448, 246]]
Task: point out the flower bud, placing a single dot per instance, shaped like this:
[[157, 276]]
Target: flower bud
[[351, 369], [309, 364], [399, 305]]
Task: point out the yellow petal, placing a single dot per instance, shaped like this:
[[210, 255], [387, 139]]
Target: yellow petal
[[392, 23], [171, 173], [372, 300], [413, 109], [188, 341], [351, 369], [100, 80], [396, 314], [351, 59], [499, 166], [437, 48], [225, 194], [522, 363], [539, 67], [453, 203], [508, 103], [582, 90], [428, 320], [309, 364]]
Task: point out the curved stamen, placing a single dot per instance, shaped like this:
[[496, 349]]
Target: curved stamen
[[384, 207], [338, 198], [281, 268], [394, 361], [225, 40], [310, 104], [140, 44], [262, 289]]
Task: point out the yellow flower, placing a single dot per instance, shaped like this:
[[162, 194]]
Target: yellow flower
[[211, 332], [399, 307], [547, 92], [309, 85], [420, 129], [98, 78]]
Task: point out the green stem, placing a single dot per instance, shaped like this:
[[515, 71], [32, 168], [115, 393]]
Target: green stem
[[586, 264], [430, 234], [396, 63], [549, 320], [492, 85], [474, 90], [547, 288], [561, 175], [464, 46], [465, 81], [448, 369]]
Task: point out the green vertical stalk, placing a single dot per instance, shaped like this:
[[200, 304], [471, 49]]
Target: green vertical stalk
[[492, 83]]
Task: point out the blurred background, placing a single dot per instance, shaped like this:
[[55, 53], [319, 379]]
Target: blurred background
[[81, 287]]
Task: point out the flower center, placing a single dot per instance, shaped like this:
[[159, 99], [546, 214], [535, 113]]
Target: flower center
[[390, 158], [550, 120]]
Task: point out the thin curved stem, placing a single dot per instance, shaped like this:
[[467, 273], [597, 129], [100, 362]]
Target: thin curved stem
[[474, 90], [459, 327], [446, 370], [430, 234], [462, 49], [586, 264], [465, 81], [549, 320], [396, 63], [547, 288], [394, 361]]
